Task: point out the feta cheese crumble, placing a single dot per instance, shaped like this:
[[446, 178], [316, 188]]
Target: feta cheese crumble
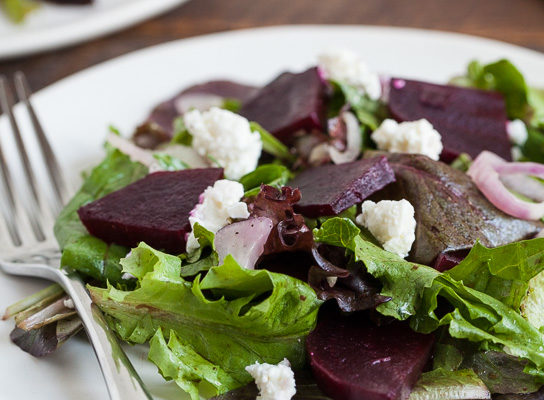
[[69, 303], [391, 222], [275, 382], [346, 66], [226, 139], [418, 137], [219, 204], [517, 132]]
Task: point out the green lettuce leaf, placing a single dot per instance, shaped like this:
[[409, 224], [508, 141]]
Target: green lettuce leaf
[[447, 356], [81, 251], [269, 174], [179, 362], [231, 318], [533, 148], [503, 272], [451, 385], [402, 281], [531, 305], [169, 163], [370, 113], [416, 291], [17, 10]]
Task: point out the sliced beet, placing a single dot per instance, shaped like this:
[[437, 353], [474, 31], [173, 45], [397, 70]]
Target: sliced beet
[[331, 189], [159, 125], [154, 209], [353, 359], [449, 259], [469, 120], [290, 103]]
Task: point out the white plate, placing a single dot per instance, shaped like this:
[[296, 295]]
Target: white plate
[[77, 111], [54, 26]]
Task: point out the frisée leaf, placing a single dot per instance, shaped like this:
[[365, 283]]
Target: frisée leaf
[[187, 368], [503, 272], [231, 318]]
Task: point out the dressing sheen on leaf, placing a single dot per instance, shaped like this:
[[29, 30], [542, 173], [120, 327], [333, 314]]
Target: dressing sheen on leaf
[[415, 291], [231, 318]]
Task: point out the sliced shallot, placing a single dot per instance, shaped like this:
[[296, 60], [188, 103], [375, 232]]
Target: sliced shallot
[[486, 172], [136, 154], [243, 240], [354, 141]]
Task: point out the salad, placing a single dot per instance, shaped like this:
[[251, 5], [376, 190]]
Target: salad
[[333, 234], [17, 10]]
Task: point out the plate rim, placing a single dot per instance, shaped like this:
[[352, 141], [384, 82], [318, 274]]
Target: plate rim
[[438, 34]]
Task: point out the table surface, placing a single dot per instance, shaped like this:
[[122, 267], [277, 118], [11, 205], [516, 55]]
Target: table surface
[[515, 21]]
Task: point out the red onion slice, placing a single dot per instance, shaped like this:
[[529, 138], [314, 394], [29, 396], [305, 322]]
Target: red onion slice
[[524, 185], [354, 141], [486, 171], [243, 240], [198, 101]]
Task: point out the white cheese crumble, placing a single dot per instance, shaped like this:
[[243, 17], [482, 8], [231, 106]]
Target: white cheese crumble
[[418, 137], [517, 132], [218, 205], [275, 382], [391, 222], [346, 66], [69, 303], [226, 139]]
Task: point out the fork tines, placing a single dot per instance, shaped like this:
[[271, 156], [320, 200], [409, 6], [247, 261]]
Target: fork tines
[[28, 213]]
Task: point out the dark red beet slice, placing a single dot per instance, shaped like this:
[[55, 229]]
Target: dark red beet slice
[[154, 209], [449, 259], [289, 103], [330, 189], [353, 359], [469, 120]]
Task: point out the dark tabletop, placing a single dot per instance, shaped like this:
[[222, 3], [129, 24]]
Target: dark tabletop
[[516, 21]]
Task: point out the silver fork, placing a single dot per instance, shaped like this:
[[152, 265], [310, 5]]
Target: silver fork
[[28, 248]]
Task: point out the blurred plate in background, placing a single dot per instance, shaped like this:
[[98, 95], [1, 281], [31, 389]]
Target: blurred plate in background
[[51, 26]]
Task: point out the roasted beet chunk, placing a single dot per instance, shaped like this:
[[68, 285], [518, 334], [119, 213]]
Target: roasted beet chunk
[[469, 120], [330, 189], [353, 359], [154, 209], [289, 103]]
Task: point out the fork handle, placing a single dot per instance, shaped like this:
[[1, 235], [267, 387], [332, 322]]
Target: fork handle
[[121, 379]]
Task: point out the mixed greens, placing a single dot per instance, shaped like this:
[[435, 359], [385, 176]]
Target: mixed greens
[[271, 265]]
